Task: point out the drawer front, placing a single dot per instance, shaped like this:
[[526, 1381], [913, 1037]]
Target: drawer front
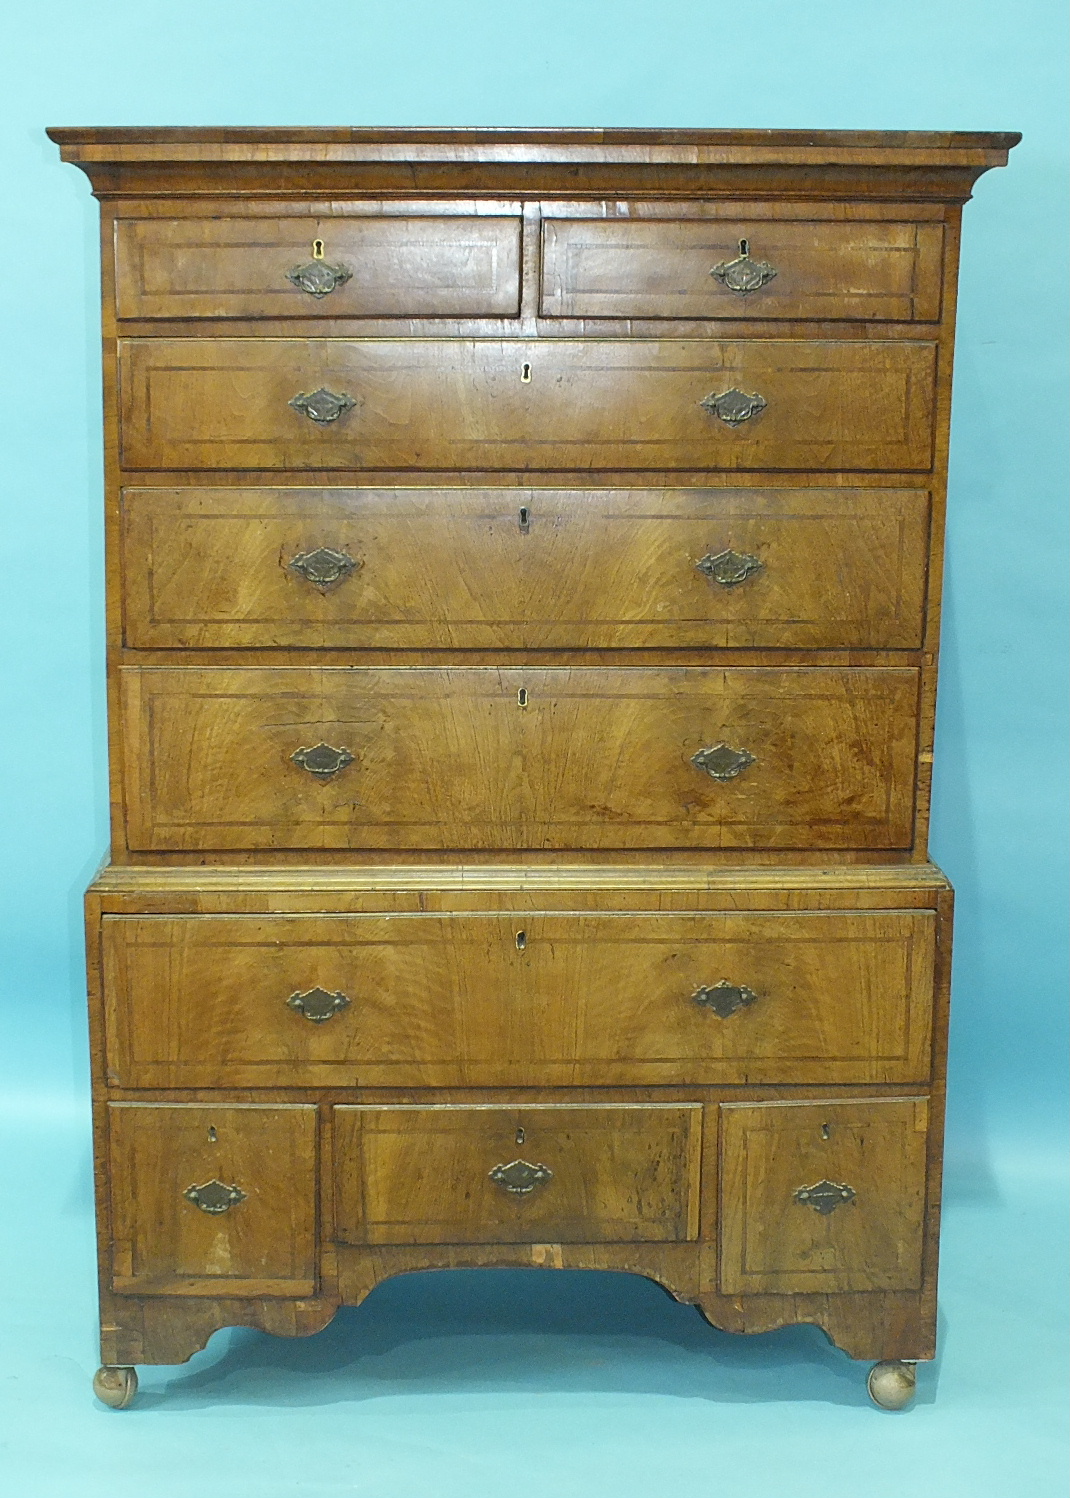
[[605, 1173], [428, 568], [213, 1200], [518, 999], [359, 267], [196, 404], [822, 1197], [863, 271], [537, 758]]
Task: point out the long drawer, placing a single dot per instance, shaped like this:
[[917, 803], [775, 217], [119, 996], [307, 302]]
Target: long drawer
[[598, 1173], [518, 999], [550, 404], [432, 567], [399, 265], [481, 757]]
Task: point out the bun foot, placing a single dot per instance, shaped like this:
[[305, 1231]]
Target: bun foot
[[115, 1387], [891, 1385]]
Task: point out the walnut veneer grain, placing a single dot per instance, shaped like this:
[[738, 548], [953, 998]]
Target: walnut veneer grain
[[435, 568]]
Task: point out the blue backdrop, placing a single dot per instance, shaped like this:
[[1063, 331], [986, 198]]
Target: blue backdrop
[[999, 792]]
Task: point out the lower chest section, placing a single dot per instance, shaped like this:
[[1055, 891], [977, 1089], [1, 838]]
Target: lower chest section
[[298, 1097]]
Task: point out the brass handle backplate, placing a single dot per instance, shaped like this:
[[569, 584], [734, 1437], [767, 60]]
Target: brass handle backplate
[[519, 1177], [743, 275], [722, 762], [318, 1004], [324, 567], [323, 406], [728, 568], [825, 1196], [733, 407], [725, 998], [316, 276], [214, 1197], [322, 760]]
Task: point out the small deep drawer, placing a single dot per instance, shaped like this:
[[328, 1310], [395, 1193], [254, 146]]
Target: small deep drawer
[[822, 1196], [389, 266], [548, 404], [213, 1199], [487, 757], [601, 1173], [866, 270], [425, 568], [518, 998]]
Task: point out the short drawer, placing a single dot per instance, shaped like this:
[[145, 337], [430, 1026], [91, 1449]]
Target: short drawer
[[527, 998], [551, 404], [482, 757], [821, 1197], [395, 266], [603, 1173], [213, 1199], [427, 568], [866, 270]]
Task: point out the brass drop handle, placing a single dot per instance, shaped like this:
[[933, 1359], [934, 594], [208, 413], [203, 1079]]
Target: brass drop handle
[[316, 277], [722, 762], [824, 1196], [322, 760], [214, 1197], [519, 1177], [318, 1004], [743, 275], [323, 406], [323, 567], [725, 998], [729, 568], [733, 407]]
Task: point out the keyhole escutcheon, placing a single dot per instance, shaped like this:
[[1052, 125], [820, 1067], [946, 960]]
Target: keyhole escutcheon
[[521, 940], [520, 1136], [525, 373], [744, 246], [825, 1131], [317, 249], [525, 519], [522, 697]]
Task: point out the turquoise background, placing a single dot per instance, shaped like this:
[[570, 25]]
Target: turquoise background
[[501, 1386]]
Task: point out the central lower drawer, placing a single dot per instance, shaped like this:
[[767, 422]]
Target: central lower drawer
[[518, 998], [548, 404], [481, 757], [600, 1173]]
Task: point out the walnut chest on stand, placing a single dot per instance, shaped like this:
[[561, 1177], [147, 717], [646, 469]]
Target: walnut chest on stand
[[524, 555]]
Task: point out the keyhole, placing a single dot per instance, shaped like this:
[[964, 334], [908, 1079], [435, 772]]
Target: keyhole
[[525, 374], [744, 246], [520, 1136], [521, 940], [213, 1137], [317, 249], [522, 697], [525, 518], [825, 1131]]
